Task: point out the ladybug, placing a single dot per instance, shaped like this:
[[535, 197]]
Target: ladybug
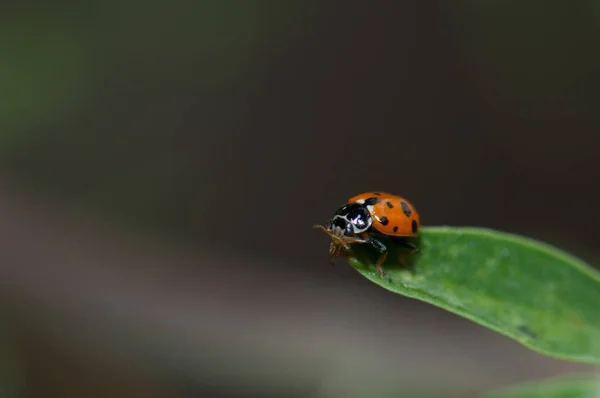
[[367, 217]]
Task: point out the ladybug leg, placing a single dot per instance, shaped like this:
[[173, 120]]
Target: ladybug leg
[[335, 250], [380, 261], [411, 248], [409, 245], [380, 247], [402, 241]]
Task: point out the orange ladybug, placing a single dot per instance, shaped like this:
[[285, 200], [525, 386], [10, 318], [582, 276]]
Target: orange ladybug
[[366, 217]]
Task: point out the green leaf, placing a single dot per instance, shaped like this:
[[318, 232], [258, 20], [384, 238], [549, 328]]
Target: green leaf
[[42, 72], [577, 386], [527, 290], [11, 376]]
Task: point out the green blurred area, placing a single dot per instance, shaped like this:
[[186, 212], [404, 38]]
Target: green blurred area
[[68, 55], [85, 81], [81, 81], [41, 72], [571, 386], [11, 372]]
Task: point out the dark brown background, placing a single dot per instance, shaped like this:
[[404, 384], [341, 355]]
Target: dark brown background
[[163, 166]]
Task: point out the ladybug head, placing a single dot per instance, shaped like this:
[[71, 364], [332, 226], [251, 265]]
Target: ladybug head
[[350, 220]]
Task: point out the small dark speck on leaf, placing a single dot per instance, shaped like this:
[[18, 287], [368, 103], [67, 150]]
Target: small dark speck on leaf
[[525, 330]]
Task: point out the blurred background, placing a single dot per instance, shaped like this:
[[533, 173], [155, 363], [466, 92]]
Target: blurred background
[[162, 164]]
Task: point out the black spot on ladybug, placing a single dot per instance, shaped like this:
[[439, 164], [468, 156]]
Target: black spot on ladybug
[[372, 201], [377, 193], [383, 220], [405, 209], [396, 228], [389, 204], [414, 226]]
